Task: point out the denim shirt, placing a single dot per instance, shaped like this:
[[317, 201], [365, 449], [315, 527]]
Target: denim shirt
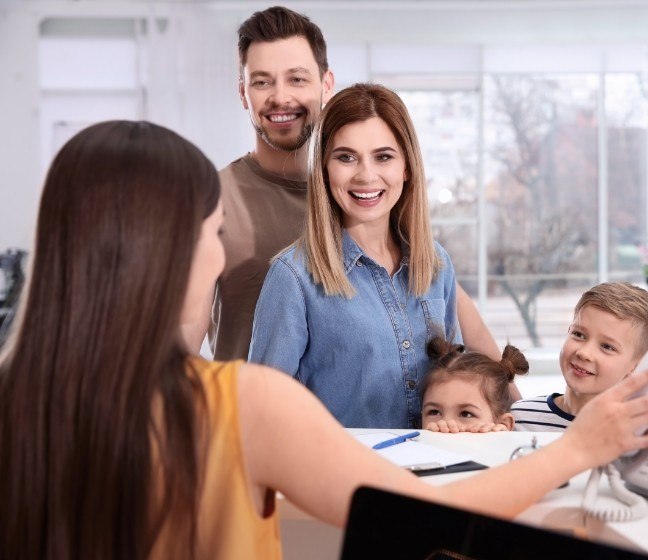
[[363, 357]]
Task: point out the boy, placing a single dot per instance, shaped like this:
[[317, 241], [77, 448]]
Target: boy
[[607, 339]]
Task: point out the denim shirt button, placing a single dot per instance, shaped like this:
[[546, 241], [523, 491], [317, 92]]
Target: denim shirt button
[[411, 384], [406, 344], [358, 263]]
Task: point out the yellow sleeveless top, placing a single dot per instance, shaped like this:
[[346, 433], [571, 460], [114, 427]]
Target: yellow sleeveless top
[[228, 525]]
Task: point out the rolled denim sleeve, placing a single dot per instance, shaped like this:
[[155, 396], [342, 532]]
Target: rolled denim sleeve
[[280, 328]]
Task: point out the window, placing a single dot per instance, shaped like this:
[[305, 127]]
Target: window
[[537, 184], [541, 185]]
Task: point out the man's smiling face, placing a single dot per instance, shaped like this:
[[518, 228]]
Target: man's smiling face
[[282, 90]]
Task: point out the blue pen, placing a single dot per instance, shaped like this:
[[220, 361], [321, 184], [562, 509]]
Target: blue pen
[[394, 441]]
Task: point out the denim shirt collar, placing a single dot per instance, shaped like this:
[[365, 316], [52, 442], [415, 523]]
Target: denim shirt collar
[[351, 253]]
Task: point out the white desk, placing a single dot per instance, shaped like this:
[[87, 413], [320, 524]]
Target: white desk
[[305, 537]]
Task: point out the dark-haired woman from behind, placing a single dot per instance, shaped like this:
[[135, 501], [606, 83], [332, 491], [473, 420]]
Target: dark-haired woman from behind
[[468, 391], [116, 443]]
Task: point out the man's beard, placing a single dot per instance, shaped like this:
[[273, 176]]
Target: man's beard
[[286, 144]]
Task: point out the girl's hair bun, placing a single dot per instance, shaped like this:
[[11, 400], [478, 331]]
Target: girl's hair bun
[[513, 362]]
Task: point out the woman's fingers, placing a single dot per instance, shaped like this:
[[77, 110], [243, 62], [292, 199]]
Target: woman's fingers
[[629, 386]]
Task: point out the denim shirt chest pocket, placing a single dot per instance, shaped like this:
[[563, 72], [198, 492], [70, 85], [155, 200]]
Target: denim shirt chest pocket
[[434, 312]]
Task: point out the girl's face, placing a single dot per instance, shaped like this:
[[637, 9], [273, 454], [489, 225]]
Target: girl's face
[[460, 400], [366, 170]]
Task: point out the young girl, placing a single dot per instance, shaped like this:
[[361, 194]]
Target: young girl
[[468, 391]]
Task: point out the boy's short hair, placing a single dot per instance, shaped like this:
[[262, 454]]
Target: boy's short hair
[[277, 23], [623, 300]]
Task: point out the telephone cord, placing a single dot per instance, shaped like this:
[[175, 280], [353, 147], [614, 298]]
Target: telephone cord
[[632, 507]]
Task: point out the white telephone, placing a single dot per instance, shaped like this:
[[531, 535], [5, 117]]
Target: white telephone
[[633, 469], [633, 466]]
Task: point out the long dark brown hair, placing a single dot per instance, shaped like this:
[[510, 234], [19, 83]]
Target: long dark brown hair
[[494, 377], [96, 347]]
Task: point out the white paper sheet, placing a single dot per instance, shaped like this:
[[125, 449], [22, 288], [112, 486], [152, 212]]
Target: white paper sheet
[[412, 453]]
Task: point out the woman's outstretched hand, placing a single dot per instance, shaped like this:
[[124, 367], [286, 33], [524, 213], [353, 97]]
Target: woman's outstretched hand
[[612, 423]]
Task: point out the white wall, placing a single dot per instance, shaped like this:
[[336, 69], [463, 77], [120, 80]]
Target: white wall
[[19, 131], [51, 86]]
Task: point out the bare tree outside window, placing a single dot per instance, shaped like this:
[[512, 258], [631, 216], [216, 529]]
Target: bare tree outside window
[[627, 116], [542, 191], [540, 185]]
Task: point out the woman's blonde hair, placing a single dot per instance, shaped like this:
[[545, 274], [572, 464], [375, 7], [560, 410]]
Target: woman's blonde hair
[[322, 238]]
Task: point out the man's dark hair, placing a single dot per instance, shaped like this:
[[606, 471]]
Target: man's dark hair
[[281, 23]]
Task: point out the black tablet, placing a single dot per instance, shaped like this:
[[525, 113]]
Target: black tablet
[[386, 525]]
